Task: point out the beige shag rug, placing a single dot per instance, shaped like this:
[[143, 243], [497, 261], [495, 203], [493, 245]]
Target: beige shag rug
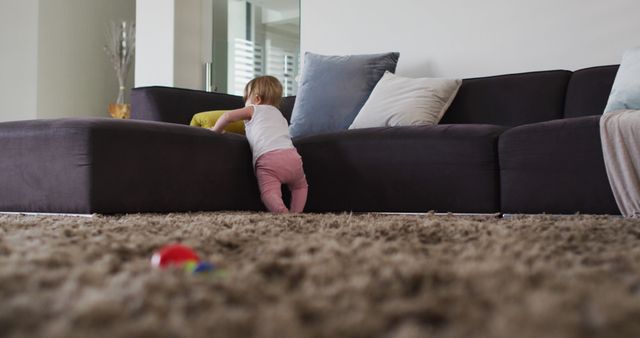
[[321, 276]]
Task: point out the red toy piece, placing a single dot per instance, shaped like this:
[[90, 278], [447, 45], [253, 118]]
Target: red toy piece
[[173, 254]]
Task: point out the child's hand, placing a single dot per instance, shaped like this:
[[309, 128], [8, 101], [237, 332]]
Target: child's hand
[[219, 132], [232, 116]]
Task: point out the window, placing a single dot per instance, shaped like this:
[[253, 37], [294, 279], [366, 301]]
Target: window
[[258, 38]]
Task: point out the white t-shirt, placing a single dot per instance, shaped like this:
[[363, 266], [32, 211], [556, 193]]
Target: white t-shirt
[[267, 131]]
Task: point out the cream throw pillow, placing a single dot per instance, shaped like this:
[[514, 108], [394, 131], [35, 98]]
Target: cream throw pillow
[[402, 101]]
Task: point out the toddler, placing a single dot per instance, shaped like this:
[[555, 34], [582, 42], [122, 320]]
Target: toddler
[[276, 161]]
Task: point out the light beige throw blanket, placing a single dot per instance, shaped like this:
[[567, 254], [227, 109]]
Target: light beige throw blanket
[[620, 135]]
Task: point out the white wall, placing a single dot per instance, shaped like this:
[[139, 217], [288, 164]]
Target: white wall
[[75, 76], [188, 52], [474, 38], [52, 62], [18, 59], [219, 44], [170, 46], [155, 42]]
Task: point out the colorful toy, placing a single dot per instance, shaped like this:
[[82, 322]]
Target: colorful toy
[[173, 254], [190, 266], [204, 267], [180, 255]]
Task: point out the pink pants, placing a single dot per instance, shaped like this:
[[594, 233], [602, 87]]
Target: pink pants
[[282, 166]]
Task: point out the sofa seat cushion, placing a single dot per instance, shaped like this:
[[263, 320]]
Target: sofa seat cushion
[[555, 167], [445, 168], [93, 165]]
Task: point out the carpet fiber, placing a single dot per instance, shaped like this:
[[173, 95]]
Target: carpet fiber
[[321, 276]]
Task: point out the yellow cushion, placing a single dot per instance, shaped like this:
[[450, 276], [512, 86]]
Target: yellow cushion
[[208, 119]]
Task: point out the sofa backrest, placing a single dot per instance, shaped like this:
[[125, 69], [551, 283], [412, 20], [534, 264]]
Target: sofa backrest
[[589, 90], [286, 106], [516, 99], [510, 100]]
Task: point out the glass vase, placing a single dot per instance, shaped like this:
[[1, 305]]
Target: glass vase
[[119, 109], [120, 98]]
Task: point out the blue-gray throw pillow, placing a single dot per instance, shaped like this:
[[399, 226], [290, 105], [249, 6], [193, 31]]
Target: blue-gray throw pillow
[[625, 93], [333, 89]]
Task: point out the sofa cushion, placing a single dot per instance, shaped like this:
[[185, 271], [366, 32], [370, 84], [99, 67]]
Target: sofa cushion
[[589, 90], [446, 168], [208, 119], [510, 100], [555, 167], [333, 89], [625, 93], [401, 101]]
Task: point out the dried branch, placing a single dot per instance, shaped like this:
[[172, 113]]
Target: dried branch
[[120, 48]]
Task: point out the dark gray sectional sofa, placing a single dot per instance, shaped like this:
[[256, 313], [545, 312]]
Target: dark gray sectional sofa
[[519, 143]]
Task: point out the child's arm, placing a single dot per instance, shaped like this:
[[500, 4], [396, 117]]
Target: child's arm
[[232, 116]]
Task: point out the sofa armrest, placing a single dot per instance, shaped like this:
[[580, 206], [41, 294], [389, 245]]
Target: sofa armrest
[[99, 165], [555, 167], [176, 105]]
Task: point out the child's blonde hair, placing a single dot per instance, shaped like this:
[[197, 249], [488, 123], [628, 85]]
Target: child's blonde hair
[[267, 87]]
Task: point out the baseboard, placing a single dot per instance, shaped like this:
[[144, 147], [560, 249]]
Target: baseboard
[[555, 215], [497, 215], [45, 214]]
